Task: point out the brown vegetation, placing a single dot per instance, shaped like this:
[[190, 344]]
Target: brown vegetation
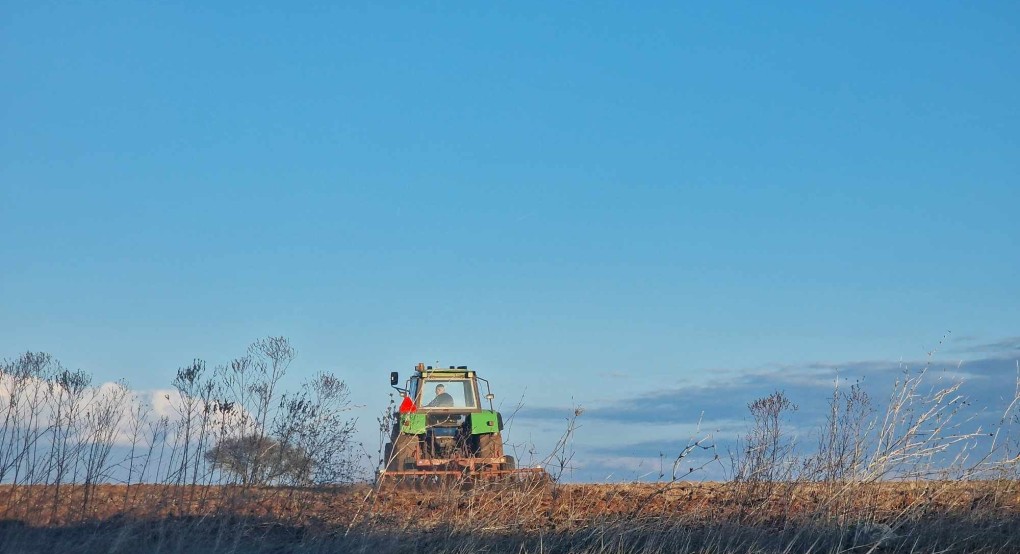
[[893, 516], [522, 506]]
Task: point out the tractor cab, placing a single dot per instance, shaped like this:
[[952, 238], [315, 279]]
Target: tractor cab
[[449, 390]]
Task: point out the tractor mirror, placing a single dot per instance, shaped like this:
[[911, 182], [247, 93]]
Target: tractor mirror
[[490, 396], [394, 378]]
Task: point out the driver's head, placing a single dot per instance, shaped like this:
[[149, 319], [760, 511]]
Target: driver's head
[[440, 389]]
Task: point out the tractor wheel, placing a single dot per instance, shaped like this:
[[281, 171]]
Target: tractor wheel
[[402, 452], [490, 445], [511, 463]]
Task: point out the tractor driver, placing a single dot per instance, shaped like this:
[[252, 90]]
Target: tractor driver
[[442, 399]]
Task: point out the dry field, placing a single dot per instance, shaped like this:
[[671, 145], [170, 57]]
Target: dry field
[[700, 517]]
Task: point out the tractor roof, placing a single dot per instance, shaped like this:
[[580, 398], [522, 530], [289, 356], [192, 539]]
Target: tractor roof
[[447, 373], [452, 371]]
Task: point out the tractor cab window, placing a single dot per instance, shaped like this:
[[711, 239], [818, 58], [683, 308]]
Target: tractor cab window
[[448, 393]]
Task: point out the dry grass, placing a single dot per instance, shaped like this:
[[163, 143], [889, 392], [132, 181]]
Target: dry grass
[[701, 517]]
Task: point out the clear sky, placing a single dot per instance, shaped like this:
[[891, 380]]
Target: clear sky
[[585, 201]]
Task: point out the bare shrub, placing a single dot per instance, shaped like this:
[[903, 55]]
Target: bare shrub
[[276, 462], [923, 424], [101, 423], [843, 438], [765, 456], [315, 421], [233, 425]]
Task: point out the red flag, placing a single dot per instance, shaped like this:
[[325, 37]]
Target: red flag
[[407, 406]]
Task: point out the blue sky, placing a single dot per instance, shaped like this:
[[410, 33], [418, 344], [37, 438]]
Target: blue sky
[[552, 194]]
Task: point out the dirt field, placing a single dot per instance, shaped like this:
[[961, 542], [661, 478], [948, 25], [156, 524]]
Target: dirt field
[[529, 506], [571, 516]]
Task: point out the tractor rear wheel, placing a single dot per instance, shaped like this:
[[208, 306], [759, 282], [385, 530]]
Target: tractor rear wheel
[[490, 445], [402, 452]]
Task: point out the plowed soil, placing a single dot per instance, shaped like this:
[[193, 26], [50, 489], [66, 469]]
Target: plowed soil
[[528, 506]]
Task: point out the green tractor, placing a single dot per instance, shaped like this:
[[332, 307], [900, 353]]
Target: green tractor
[[441, 428]]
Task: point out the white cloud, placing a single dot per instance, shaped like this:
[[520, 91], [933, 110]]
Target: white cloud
[[31, 401]]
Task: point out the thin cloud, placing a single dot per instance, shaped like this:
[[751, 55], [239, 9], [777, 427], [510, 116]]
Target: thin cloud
[[1004, 347], [809, 386], [616, 375], [989, 384]]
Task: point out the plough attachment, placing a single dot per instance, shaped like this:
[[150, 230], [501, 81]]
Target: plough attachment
[[449, 478]]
